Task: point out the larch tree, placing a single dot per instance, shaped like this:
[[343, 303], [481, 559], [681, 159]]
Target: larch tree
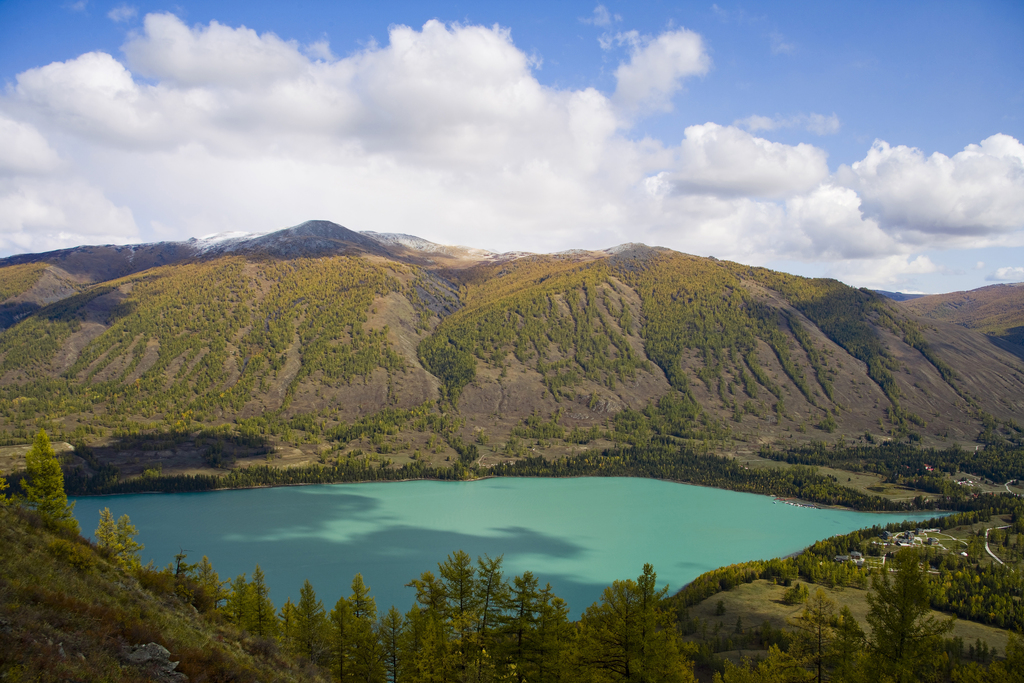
[[390, 631], [238, 606], [816, 635], [904, 637], [209, 582], [262, 617], [342, 631], [118, 538], [368, 655], [310, 625], [44, 487], [288, 627], [629, 637]]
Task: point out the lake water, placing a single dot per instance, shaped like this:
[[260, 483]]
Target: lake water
[[577, 534]]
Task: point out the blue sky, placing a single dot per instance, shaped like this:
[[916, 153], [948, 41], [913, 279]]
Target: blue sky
[[879, 143]]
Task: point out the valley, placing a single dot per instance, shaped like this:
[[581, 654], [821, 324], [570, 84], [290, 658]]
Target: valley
[[318, 355]]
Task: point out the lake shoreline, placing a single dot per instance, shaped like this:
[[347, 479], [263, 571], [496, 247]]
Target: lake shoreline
[[578, 533], [797, 502]]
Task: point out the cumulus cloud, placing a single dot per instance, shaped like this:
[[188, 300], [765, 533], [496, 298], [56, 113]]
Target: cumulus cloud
[[891, 272], [41, 215], [657, 67], [214, 55], [445, 131], [976, 194], [723, 160], [1007, 274], [25, 150]]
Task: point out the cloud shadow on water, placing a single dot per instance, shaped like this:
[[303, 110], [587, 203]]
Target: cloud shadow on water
[[388, 557]]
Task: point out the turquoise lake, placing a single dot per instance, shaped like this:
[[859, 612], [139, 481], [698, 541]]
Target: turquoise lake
[[577, 534]]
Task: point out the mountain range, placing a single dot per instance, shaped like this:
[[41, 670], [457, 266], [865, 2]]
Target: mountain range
[[304, 334]]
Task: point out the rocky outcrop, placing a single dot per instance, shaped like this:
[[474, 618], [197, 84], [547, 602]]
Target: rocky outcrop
[[155, 659]]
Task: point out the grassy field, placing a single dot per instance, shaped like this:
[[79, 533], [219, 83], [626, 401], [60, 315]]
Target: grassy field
[[761, 601]]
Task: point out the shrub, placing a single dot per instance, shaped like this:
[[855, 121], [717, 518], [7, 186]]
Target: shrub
[[795, 595], [72, 553]]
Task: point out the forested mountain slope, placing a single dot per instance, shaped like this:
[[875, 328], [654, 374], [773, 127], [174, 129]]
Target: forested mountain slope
[[319, 342], [997, 310]]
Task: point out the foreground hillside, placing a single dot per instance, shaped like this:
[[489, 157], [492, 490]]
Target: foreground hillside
[[70, 613], [71, 610], [319, 344]]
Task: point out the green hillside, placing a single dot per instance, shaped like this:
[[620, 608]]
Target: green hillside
[[227, 360]]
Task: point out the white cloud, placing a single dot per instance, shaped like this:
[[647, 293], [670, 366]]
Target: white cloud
[[446, 132], [214, 55], [122, 13], [891, 272], [814, 123], [827, 224], [1007, 274], [41, 215], [727, 161], [966, 199], [657, 67], [822, 125], [24, 150], [601, 17]]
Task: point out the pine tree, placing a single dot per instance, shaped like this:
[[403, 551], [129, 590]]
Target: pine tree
[[816, 635], [462, 606], [847, 647], [262, 617], [553, 644], [390, 632], [210, 584], [289, 635], [627, 636], [904, 638], [237, 607], [118, 538], [518, 625], [492, 594], [44, 488], [368, 655], [310, 625], [342, 629]]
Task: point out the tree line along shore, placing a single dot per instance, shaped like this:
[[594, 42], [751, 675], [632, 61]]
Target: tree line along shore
[[470, 622]]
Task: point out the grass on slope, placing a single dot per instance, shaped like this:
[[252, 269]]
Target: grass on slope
[[194, 340], [565, 318], [67, 613], [997, 310], [15, 280]]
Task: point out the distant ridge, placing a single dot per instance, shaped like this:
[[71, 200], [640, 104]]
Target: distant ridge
[[996, 310], [897, 296]]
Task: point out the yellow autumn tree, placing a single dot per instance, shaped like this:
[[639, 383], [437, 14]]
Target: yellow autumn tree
[[118, 538], [44, 487]]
